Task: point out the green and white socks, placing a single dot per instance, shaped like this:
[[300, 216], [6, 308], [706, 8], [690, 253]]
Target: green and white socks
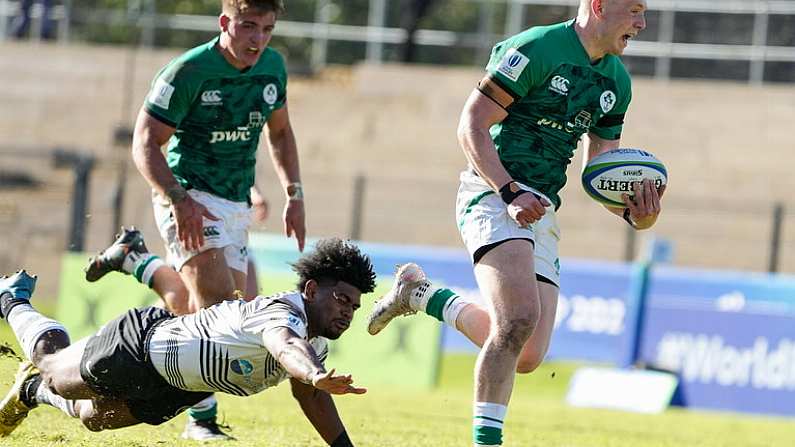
[[442, 304], [487, 423], [142, 266], [205, 410]]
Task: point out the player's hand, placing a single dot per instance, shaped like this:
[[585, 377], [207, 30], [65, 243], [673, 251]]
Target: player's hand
[[527, 209], [294, 221], [332, 384], [189, 215], [259, 210], [644, 203]]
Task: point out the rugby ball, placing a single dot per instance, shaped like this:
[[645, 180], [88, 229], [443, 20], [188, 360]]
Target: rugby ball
[[609, 175]]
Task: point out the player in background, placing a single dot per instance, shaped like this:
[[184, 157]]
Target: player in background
[[544, 90], [210, 105], [148, 365]]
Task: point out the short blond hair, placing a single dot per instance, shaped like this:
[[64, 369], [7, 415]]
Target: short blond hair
[[243, 6]]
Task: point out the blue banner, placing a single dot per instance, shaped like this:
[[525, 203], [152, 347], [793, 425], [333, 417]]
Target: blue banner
[[595, 314], [729, 336]]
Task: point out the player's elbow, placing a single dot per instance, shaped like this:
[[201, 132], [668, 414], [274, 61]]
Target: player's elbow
[[464, 130]]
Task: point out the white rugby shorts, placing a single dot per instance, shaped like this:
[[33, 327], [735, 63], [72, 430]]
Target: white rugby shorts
[[483, 220], [230, 232]]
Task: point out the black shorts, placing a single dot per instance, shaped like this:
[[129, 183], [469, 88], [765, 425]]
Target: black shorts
[[116, 364]]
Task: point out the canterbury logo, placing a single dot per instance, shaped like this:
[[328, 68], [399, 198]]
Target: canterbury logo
[[211, 96], [559, 84], [211, 231]]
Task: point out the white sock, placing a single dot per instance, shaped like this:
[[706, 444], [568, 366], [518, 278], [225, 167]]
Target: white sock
[[453, 309], [29, 325], [45, 396], [442, 304], [142, 266], [487, 423]]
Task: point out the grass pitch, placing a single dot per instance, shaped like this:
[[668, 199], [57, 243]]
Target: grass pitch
[[441, 418]]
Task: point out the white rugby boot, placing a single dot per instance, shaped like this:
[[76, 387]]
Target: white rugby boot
[[407, 296]]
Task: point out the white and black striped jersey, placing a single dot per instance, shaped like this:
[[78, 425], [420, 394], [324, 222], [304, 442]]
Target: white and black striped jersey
[[221, 348]]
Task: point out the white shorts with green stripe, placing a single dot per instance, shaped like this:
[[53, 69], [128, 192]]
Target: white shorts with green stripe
[[230, 232], [484, 223]]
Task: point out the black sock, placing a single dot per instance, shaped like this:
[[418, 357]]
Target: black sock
[[28, 392]]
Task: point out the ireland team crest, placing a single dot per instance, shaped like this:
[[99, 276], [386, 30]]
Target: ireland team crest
[[270, 94], [607, 101]]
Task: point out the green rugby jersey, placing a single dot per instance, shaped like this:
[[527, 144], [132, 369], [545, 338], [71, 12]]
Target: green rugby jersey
[[558, 96], [218, 112]]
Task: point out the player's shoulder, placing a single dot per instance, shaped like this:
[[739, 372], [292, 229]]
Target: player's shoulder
[[197, 63], [615, 68], [271, 62], [291, 302], [540, 38]]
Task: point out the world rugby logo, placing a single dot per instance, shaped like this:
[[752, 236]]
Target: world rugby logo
[[514, 60]]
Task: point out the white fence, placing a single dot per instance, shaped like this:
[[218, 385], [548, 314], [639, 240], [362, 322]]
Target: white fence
[[142, 13]]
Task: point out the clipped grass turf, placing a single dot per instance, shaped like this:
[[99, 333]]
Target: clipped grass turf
[[440, 418]]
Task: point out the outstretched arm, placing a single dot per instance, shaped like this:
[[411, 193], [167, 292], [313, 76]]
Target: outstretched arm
[[644, 204], [300, 361], [319, 409]]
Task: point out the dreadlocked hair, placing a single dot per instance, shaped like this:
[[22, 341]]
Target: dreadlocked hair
[[336, 260]]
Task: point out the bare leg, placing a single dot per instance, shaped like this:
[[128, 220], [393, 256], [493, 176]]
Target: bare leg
[[167, 283], [209, 279], [506, 276], [475, 323]]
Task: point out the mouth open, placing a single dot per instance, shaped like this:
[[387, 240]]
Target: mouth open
[[252, 50], [625, 38], [342, 324]]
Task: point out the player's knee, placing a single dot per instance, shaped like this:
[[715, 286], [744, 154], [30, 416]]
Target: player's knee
[[512, 334]]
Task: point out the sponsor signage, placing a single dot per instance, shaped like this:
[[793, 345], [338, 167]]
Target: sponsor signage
[[729, 337]]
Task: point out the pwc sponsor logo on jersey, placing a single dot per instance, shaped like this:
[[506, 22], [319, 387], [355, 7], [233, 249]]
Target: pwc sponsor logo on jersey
[[512, 64], [559, 85], [240, 134], [211, 98], [581, 123]]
